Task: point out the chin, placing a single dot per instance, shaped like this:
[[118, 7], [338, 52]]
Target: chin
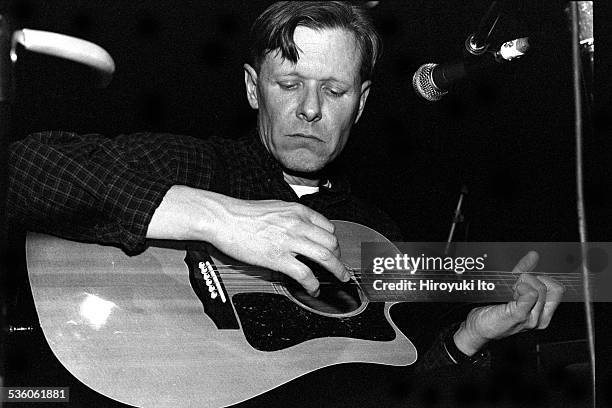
[[303, 162]]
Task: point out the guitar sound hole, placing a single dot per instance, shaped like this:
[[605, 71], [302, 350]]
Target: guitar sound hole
[[335, 297]]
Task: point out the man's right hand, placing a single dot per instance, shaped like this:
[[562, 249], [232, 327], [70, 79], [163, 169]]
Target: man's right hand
[[268, 233]]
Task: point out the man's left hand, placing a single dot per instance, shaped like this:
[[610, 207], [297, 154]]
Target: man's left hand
[[536, 298]]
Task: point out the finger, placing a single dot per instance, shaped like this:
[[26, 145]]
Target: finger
[[320, 221], [527, 263], [323, 231], [323, 238], [302, 275], [538, 307], [554, 295], [323, 257], [526, 297]]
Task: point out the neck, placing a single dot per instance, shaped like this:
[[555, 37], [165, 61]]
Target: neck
[[301, 180]]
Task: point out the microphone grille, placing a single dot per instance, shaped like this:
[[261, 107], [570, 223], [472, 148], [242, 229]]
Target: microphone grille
[[423, 83]]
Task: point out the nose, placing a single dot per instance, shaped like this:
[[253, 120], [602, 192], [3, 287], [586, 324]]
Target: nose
[[309, 108]]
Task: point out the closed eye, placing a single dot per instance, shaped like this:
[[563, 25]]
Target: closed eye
[[288, 85], [336, 93]]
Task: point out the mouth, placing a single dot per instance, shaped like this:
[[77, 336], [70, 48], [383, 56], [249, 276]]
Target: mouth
[[306, 136]]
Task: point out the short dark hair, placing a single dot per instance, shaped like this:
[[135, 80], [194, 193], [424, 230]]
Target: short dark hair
[[274, 28]]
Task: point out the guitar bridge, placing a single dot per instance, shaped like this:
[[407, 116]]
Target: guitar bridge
[[208, 286]]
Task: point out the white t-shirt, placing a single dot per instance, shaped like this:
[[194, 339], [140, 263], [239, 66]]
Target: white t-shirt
[[304, 190]]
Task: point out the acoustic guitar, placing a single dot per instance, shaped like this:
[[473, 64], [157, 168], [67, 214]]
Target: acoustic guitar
[[183, 325]]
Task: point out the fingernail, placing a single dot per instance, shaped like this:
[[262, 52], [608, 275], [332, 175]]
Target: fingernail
[[315, 293]]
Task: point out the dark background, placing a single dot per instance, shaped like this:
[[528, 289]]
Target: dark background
[[507, 134]]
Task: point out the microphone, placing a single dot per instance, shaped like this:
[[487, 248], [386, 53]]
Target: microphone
[[431, 81]]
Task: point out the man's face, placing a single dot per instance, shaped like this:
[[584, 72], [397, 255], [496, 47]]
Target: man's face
[[307, 109]]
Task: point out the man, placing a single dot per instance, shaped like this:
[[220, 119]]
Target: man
[[264, 201]]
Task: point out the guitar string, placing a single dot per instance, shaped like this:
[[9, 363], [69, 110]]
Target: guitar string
[[417, 276], [251, 283], [248, 283], [560, 277], [419, 271], [576, 282], [495, 282], [248, 279], [430, 294], [246, 267], [575, 295]]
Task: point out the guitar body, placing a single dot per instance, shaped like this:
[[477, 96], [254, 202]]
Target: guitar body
[[135, 329]]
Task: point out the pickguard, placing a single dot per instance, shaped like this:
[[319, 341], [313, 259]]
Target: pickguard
[[272, 322]]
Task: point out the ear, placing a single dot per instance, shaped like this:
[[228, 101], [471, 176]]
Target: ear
[[363, 97], [250, 81]]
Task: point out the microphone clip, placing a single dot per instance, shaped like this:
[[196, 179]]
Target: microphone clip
[[472, 46]]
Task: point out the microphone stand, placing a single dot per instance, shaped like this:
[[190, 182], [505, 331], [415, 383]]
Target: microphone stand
[[457, 218], [582, 226]]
